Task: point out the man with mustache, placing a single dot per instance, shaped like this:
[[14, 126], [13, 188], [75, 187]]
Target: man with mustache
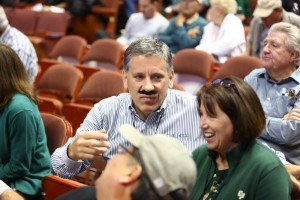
[[150, 106]]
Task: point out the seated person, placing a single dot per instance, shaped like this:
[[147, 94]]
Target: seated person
[[174, 7], [130, 7], [293, 170], [150, 106], [233, 164], [89, 193], [21, 44], [277, 86], [146, 23], [244, 11], [185, 29], [266, 13], [224, 35], [154, 167], [24, 154]]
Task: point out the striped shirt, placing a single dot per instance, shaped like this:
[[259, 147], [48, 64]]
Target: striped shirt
[[177, 117], [23, 47]]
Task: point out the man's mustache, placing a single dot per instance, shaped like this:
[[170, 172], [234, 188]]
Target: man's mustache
[[148, 92]]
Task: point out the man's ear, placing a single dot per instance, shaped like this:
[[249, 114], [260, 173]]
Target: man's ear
[[131, 177], [171, 81], [294, 55], [125, 85]]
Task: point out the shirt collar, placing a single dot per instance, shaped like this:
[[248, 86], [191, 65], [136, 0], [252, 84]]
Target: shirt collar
[[235, 154], [294, 76], [193, 18]]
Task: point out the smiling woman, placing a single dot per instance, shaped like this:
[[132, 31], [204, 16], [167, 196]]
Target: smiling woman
[[231, 120]]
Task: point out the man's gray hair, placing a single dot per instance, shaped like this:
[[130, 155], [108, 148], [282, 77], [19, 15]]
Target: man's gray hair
[[148, 47], [292, 41]]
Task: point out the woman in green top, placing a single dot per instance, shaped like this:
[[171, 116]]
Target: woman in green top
[[233, 164], [24, 155]]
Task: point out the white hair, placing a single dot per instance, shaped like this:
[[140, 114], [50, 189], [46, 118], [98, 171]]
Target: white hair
[[3, 19], [227, 6]]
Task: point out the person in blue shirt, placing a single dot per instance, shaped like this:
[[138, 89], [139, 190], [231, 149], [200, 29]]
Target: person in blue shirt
[[277, 86], [186, 29]]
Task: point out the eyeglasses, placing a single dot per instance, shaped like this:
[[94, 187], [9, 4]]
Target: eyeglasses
[[226, 83]]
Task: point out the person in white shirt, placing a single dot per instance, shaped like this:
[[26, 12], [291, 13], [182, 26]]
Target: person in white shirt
[[146, 23], [21, 44], [224, 36]]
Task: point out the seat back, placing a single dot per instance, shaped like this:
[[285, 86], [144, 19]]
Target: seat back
[[54, 186], [9, 11], [93, 172], [192, 68], [50, 27], [46, 63], [50, 105], [58, 130], [238, 66], [110, 3], [61, 81], [88, 71], [24, 20], [109, 10], [69, 48], [75, 113], [100, 85], [52, 24], [104, 53]]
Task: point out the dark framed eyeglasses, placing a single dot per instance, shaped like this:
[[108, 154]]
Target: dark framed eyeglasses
[[226, 83]]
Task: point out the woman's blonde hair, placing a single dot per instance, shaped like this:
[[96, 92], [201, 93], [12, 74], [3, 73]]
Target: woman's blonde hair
[[227, 6]]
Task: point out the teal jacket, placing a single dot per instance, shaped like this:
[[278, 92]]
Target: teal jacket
[[255, 172], [24, 155], [177, 38]]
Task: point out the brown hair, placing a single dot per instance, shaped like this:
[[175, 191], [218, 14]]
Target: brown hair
[[239, 102], [13, 77]]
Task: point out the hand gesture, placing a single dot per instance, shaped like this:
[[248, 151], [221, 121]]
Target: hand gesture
[[180, 19], [88, 145], [193, 32]]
